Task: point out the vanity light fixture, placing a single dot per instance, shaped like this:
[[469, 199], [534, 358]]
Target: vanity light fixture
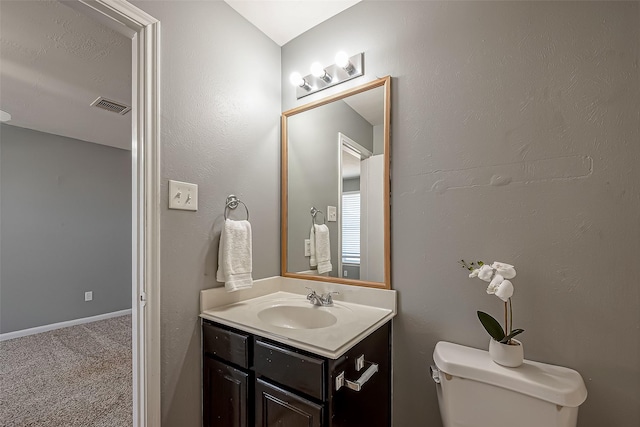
[[345, 68], [318, 71], [297, 80], [342, 61]]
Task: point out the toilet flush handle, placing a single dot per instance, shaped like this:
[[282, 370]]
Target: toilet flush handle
[[435, 373]]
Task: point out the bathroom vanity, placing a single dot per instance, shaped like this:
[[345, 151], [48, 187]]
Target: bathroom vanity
[[251, 380], [281, 353], [275, 359]]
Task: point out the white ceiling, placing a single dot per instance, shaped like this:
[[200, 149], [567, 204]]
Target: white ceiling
[[285, 20], [55, 61]]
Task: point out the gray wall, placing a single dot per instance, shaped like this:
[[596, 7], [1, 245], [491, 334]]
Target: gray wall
[[220, 130], [314, 171], [515, 130], [378, 139], [352, 184], [353, 271], [65, 229]]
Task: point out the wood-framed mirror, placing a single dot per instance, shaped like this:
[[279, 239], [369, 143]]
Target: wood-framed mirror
[[335, 190]]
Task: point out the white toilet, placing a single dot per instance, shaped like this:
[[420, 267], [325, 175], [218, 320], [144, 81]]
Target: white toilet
[[473, 391]]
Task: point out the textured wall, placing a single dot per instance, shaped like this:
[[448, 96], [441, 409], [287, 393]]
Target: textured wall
[[515, 130], [313, 173], [220, 129], [65, 230]]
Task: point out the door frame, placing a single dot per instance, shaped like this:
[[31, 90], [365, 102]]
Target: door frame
[[345, 141], [144, 31]]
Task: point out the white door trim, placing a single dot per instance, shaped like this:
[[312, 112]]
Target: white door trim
[[350, 144], [146, 203]]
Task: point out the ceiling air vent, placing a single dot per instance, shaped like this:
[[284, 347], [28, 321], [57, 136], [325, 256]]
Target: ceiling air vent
[[109, 105]]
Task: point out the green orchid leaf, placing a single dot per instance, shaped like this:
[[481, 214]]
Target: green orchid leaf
[[511, 335], [491, 325]]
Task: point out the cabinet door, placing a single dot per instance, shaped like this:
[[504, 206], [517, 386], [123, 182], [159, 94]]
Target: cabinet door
[[226, 395], [276, 407], [371, 406]]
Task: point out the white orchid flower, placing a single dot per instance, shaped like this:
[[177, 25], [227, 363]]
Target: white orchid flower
[[505, 290], [506, 270], [495, 283], [485, 273], [497, 275]]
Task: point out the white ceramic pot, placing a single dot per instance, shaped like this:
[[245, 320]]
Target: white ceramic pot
[[510, 356]]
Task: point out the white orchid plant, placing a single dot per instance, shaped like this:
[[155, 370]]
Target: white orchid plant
[[498, 275]]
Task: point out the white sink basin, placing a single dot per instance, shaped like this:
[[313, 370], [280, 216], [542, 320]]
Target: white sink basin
[[296, 317], [289, 318]]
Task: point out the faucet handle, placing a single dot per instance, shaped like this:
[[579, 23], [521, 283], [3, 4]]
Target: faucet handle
[[327, 298], [311, 294]]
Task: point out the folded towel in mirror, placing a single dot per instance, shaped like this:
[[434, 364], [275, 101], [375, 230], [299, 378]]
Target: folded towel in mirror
[[235, 255], [321, 248], [313, 261]]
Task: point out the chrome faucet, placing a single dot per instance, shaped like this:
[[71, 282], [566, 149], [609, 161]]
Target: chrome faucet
[[320, 300]]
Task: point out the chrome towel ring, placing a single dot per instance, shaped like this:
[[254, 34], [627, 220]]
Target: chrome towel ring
[[232, 203], [314, 213]]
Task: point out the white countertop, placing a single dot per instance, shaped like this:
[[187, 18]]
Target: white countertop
[[358, 311]]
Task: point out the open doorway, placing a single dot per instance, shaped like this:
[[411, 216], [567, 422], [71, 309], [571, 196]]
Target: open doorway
[[352, 158], [143, 164]]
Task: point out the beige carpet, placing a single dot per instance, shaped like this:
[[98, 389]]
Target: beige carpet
[[73, 377]]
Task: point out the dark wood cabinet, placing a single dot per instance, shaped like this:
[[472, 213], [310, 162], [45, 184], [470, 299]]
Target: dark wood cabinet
[[276, 407], [250, 380], [227, 395], [302, 373]]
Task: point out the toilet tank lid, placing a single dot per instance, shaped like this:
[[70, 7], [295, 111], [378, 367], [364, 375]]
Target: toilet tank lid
[[555, 384]]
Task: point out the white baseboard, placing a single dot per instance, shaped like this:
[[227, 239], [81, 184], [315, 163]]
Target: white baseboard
[[60, 325]]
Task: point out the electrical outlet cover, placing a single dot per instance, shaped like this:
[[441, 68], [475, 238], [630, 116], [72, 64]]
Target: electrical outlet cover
[[332, 214]]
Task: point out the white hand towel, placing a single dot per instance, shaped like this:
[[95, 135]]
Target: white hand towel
[[234, 255], [313, 261], [323, 248]]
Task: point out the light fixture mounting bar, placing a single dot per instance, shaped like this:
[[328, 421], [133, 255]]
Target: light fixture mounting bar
[[339, 74]]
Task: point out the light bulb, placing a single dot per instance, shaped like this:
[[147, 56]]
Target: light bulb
[[342, 59], [317, 70], [296, 79]]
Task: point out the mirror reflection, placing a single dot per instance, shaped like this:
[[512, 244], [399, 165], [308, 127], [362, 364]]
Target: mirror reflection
[[335, 179]]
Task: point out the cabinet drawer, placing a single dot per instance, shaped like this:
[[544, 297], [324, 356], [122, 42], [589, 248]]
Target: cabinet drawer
[[291, 369], [225, 344]]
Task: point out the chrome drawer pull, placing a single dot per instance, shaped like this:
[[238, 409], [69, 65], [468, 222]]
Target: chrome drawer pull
[[356, 385]]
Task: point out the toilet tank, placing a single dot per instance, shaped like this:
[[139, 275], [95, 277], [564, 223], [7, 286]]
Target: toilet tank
[[473, 391]]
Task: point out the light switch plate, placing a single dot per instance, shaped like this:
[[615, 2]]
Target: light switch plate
[[307, 247], [332, 214], [183, 195]]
